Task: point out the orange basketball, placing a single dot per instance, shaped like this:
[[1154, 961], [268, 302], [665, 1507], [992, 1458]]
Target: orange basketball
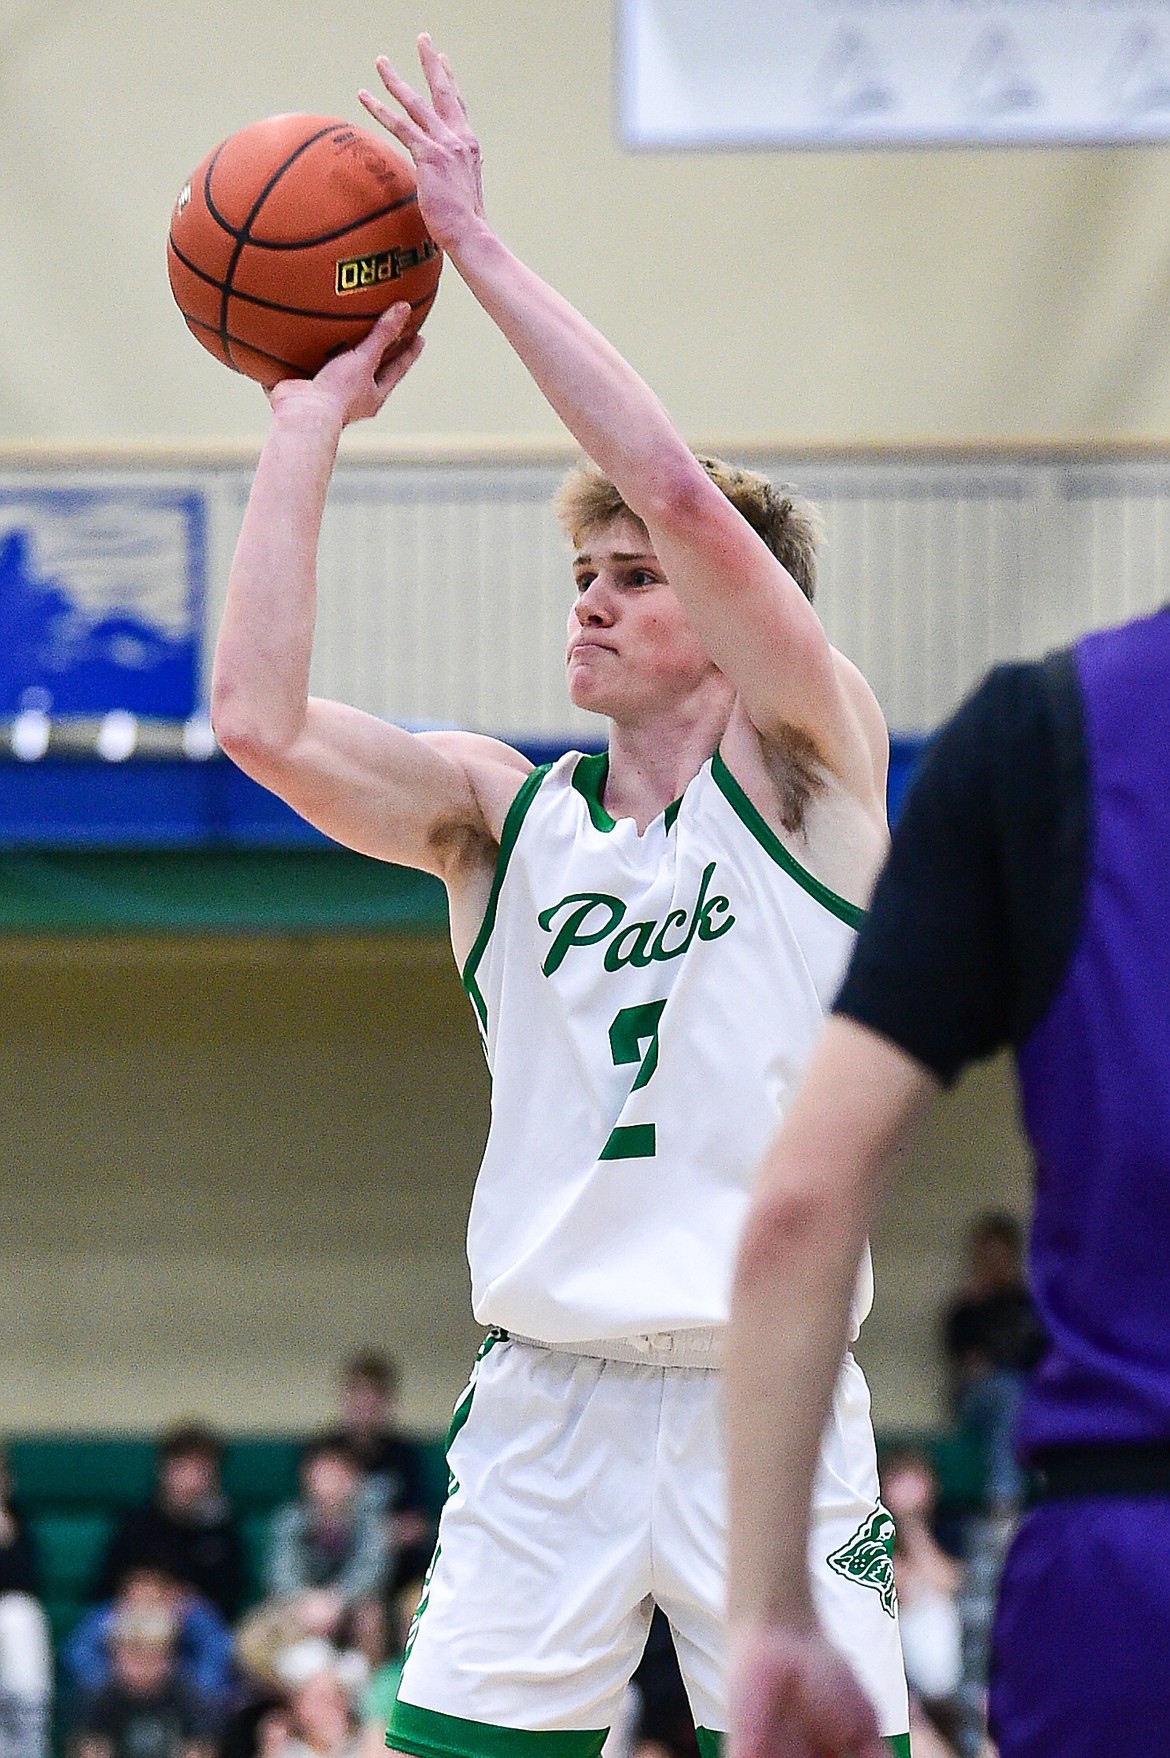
[[291, 239]]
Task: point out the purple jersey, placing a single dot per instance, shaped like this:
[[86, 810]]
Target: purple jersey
[[1095, 1078]]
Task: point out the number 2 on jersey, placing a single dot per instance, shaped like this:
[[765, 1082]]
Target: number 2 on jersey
[[633, 1027]]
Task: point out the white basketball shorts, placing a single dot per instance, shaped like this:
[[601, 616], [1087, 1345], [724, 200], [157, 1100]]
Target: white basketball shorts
[[583, 1492]]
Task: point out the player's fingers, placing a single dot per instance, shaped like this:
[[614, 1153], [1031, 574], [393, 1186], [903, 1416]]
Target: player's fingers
[[394, 370], [454, 87], [401, 127], [444, 92], [420, 112], [831, 1702], [388, 327]]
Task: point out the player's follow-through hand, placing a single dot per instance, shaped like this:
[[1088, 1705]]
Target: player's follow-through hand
[[793, 1696], [356, 383], [439, 139]]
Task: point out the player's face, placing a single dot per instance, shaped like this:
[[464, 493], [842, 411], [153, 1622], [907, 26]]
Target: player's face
[[630, 650]]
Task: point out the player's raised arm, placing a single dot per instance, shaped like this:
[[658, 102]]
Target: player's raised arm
[[367, 784], [754, 620]]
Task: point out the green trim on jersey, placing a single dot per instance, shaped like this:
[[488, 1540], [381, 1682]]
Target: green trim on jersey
[[459, 1416], [899, 1745], [589, 775], [513, 821], [589, 778], [849, 913], [428, 1734]]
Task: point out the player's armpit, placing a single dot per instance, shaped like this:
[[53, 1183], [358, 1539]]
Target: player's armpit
[[385, 792]]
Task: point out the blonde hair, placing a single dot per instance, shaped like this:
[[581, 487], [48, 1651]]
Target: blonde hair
[[790, 525]]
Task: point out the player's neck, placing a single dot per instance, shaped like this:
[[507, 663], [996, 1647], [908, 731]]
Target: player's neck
[[651, 762]]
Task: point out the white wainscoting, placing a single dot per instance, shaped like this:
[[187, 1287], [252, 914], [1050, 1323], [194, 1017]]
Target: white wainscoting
[[445, 583]]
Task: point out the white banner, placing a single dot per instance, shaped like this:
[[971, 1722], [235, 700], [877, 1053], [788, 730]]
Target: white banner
[[893, 72]]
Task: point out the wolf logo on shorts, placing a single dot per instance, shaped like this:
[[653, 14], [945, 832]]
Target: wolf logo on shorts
[[868, 1558]]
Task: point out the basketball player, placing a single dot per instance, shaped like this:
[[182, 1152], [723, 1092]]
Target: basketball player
[[1025, 903], [649, 940]]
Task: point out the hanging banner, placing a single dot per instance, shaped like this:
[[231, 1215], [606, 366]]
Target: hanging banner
[[101, 600], [819, 73]]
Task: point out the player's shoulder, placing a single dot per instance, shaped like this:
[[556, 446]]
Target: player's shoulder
[[495, 771], [476, 749]]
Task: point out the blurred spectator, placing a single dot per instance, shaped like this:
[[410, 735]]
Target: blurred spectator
[[25, 1654], [928, 1582], [992, 1341], [330, 1550], [146, 1710], [328, 1562], [201, 1643], [187, 1530], [392, 1462], [321, 1692]]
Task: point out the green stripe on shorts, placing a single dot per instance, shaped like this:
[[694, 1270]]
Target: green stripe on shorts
[[710, 1743], [427, 1734]]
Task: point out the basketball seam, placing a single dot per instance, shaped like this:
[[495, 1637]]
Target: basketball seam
[[278, 305], [196, 323], [366, 219], [242, 237]]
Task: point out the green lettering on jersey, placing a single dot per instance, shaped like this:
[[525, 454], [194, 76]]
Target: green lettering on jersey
[[660, 950], [638, 935], [569, 933], [637, 943]]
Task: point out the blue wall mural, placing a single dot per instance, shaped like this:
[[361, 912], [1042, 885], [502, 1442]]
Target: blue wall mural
[[101, 600]]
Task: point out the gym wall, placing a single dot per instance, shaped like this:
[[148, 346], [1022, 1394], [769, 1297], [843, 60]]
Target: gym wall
[[787, 296], [228, 1162]]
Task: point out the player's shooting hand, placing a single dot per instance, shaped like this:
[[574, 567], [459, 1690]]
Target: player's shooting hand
[[439, 139], [355, 384], [792, 1695]]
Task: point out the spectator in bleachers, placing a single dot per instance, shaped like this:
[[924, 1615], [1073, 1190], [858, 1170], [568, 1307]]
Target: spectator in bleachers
[[25, 1653], [927, 1580], [146, 1710], [202, 1648], [322, 1693], [391, 1460], [187, 1529], [328, 1562], [992, 1340]]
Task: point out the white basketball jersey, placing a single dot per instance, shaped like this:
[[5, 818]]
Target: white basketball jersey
[[648, 1005]]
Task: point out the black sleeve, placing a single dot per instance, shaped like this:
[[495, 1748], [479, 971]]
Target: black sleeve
[[976, 913]]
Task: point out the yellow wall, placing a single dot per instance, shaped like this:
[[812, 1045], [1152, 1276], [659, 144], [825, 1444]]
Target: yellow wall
[[810, 296], [968, 1157], [228, 1163]]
